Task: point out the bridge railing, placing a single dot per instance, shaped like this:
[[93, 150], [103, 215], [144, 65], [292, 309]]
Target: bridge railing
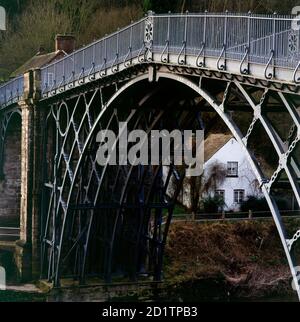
[[12, 91], [262, 39], [120, 47], [258, 39], [269, 40]]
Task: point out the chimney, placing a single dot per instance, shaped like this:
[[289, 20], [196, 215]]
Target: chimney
[[65, 43]]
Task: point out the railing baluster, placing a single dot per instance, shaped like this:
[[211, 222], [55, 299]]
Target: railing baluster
[[167, 46], [91, 74], [82, 74], [129, 54], [271, 74], [62, 82], [53, 87], [72, 84], [223, 53], [246, 71], [183, 49], [102, 74], [202, 50], [115, 64]]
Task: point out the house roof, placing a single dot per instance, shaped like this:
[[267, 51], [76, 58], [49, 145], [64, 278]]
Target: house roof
[[64, 45], [37, 61], [214, 142]]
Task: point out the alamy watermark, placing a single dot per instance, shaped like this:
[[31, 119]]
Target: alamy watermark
[[296, 20], [2, 279], [2, 18], [179, 148]]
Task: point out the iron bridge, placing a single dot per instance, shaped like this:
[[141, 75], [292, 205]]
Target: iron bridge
[[170, 71]]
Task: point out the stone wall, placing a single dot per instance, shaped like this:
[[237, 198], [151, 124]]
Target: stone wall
[[137, 292], [10, 184]]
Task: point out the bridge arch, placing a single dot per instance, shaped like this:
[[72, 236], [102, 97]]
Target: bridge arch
[[92, 126], [219, 108]]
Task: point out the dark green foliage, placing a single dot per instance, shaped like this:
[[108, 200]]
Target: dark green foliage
[[212, 205], [147, 5], [13, 6], [159, 6], [282, 204], [254, 204], [260, 204]]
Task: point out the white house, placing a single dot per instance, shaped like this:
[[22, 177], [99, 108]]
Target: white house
[[240, 181]]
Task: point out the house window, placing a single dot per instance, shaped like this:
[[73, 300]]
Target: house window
[[239, 196], [232, 169], [220, 193]]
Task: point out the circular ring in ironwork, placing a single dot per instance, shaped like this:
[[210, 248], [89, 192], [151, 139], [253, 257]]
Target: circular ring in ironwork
[[63, 118]]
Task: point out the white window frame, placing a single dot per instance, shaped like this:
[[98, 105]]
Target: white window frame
[[232, 169], [240, 196], [220, 192]]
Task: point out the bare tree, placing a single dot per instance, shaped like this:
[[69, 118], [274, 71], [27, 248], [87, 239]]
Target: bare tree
[[214, 177]]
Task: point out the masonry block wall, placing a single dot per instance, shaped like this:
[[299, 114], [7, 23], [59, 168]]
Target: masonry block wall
[[10, 184]]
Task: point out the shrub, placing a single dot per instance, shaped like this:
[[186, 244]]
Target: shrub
[[213, 204], [255, 204]]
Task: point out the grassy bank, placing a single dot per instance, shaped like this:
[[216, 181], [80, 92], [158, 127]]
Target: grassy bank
[[243, 259]]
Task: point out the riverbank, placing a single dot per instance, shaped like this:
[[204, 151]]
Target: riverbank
[[229, 260], [204, 262]]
